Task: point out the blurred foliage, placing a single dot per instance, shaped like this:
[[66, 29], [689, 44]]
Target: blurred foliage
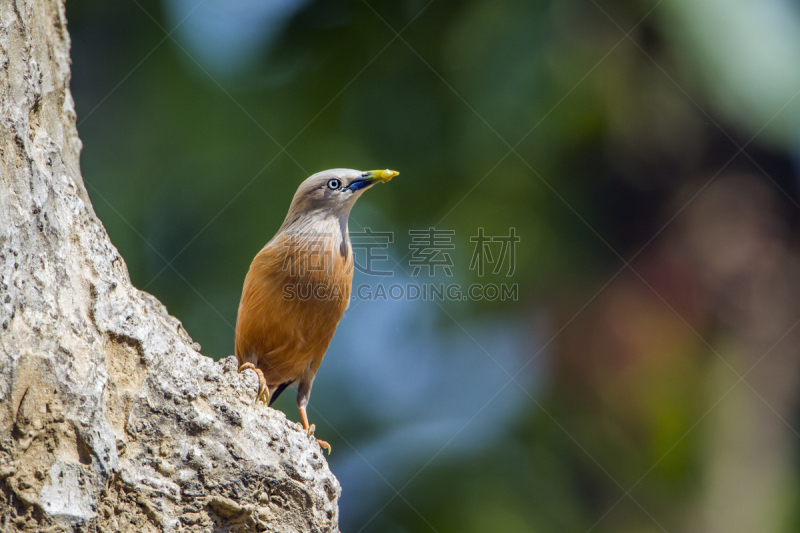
[[538, 115]]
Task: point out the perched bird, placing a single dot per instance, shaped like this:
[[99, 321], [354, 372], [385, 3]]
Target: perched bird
[[298, 287]]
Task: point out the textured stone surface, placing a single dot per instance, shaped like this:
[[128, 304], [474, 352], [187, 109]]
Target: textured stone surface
[[110, 419]]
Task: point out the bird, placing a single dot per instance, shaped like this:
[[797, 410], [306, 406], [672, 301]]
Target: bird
[[298, 287]]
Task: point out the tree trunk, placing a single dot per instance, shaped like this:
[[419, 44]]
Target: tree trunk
[[110, 419]]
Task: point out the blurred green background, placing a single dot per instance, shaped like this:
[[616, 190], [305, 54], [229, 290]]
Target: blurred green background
[[646, 378]]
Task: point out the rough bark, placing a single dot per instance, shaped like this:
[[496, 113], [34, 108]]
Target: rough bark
[[110, 419]]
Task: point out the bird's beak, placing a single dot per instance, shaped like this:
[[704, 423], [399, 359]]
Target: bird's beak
[[382, 176], [372, 177]]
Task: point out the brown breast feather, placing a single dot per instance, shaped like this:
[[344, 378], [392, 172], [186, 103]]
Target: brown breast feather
[[280, 334]]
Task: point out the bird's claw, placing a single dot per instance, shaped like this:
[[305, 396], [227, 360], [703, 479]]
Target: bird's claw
[[263, 395], [310, 434], [263, 390], [325, 445]]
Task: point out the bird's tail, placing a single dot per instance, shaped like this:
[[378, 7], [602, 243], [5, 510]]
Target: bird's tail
[[282, 387]]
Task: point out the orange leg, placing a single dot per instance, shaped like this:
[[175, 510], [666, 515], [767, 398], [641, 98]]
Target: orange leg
[[263, 390], [311, 428]]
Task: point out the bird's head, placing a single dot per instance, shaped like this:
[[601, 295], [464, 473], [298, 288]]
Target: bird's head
[[333, 192]]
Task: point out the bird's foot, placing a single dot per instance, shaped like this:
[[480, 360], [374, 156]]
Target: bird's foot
[[263, 390], [322, 444]]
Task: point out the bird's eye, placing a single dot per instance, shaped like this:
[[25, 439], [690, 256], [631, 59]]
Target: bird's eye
[[334, 184]]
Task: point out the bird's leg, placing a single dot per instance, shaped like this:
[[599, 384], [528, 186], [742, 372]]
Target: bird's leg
[[303, 393], [311, 428], [263, 390]]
